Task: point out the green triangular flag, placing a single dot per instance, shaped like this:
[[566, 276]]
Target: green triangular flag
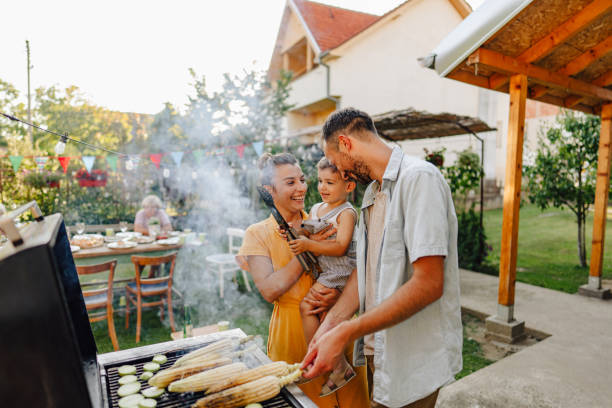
[[198, 154], [16, 162], [112, 162]]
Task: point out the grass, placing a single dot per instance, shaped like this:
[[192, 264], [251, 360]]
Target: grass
[[547, 247], [473, 357]]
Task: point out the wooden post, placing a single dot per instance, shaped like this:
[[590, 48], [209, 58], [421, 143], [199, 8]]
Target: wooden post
[[512, 195], [504, 327], [286, 61], [601, 203]]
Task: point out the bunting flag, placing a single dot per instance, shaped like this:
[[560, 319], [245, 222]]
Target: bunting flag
[[132, 160], [16, 162], [177, 157], [41, 161], [156, 159], [135, 160], [89, 162], [112, 162], [240, 150], [198, 154], [258, 147], [64, 163]]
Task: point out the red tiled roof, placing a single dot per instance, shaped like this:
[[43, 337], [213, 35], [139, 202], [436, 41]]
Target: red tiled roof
[[331, 26]]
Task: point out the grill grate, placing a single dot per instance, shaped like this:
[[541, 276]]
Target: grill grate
[[172, 400]]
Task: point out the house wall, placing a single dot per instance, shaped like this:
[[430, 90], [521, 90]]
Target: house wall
[[295, 32], [377, 71]]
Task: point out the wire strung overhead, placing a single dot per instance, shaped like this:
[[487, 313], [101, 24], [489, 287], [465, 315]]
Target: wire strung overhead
[[64, 138]]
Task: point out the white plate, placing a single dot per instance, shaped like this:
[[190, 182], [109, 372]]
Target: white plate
[[122, 245], [75, 248], [128, 234], [169, 241]]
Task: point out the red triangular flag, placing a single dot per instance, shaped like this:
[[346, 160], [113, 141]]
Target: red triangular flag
[[156, 159], [64, 162], [240, 150]]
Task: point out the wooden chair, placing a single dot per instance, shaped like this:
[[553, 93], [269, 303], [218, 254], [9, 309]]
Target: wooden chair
[[227, 262], [151, 286], [101, 297]]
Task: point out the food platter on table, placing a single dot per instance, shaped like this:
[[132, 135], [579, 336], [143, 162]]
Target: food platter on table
[[169, 241], [87, 241], [122, 244], [142, 239]]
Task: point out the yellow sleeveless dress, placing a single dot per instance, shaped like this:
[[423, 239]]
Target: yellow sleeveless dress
[[286, 340]]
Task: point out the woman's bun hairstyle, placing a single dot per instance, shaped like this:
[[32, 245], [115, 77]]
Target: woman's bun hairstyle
[[268, 162]]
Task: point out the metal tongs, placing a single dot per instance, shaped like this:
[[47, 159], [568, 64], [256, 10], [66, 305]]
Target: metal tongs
[[309, 262]]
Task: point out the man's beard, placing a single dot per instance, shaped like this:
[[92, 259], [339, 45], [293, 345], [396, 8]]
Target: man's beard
[[360, 172]]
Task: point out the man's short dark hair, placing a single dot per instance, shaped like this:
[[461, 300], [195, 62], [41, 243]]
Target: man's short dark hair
[[347, 120]]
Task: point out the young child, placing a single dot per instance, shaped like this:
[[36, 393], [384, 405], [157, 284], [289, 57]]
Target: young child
[[336, 255]]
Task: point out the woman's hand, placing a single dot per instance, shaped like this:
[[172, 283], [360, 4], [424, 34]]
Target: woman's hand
[[299, 245], [324, 233], [321, 299]]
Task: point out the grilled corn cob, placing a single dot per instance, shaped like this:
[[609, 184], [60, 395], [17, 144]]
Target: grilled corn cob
[[278, 368], [254, 391], [213, 351], [165, 377], [201, 381]]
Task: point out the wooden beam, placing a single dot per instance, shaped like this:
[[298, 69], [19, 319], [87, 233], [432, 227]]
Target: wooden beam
[[577, 65], [604, 79], [570, 27], [512, 190], [465, 76], [572, 101], [286, 61], [500, 63], [585, 59], [537, 91], [601, 192], [496, 81], [555, 38]]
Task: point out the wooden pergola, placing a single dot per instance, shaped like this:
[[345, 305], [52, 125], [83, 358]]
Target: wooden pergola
[[554, 51]]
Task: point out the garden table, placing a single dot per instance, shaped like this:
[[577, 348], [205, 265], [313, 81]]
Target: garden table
[[138, 249]]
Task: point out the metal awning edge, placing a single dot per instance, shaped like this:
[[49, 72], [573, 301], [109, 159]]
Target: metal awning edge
[[471, 33]]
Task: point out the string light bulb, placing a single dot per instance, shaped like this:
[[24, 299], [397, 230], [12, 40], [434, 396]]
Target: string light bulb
[[61, 145]]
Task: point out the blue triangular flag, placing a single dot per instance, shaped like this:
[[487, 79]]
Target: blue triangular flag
[[258, 146], [89, 162], [177, 157]]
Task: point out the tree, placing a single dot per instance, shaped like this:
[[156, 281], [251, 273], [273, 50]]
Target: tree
[[564, 171], [69, 111]]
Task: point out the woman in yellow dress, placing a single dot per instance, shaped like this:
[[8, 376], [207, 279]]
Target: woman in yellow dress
[[280, 279]]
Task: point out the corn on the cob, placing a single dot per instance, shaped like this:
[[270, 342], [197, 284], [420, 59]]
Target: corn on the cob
[[165, 377], [277, 368], [217, 347], [201, 381], [212, 351], [254, 391]]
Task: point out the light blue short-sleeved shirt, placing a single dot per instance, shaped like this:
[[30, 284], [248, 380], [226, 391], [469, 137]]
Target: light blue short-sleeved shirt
[[419, 355]]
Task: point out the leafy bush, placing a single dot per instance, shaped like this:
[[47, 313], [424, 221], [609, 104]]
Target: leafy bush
[[471, 240]]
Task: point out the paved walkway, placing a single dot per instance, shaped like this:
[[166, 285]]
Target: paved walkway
[[571, 368]]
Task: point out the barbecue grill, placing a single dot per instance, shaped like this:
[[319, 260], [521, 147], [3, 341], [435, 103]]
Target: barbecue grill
[[48, 356]]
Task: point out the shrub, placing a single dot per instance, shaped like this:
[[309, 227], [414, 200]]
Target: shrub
[[471, 240]]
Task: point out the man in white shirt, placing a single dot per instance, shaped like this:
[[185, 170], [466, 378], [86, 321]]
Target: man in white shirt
[[406, 285]]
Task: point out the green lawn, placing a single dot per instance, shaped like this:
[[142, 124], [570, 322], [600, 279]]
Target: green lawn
[[547, 247]]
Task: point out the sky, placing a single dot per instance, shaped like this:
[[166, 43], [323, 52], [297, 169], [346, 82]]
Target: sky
[[135, 55]]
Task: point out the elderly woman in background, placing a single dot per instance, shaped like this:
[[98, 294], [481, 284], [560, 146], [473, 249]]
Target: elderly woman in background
[[152, 208], [281, 280]]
